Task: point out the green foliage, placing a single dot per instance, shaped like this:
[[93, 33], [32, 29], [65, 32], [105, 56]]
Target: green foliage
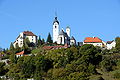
[[90, 54], [74, 63], [2, 69], [39, 42], [36, 51], [12, 47], [49, 38], [117, 44], [117, 74], [107, 64], [29, 67], [58, 73], [13, 58], [78, 76], [26, 44], [43, 41], [5, 57], [17, 48], [96, 78]]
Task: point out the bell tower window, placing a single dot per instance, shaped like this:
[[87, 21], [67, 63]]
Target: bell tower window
[[55, 26]]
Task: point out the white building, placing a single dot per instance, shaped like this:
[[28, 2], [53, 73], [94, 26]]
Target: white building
[[111, 44], [20, 54], [94, 41], [63, 38], [72, 41], [23, 35], [55, 29], [60, 36]]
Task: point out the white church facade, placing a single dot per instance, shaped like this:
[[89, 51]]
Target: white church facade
[[60, 36]]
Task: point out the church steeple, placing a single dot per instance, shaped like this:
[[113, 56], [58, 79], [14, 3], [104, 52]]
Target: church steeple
[[56, 20], [55, 29]]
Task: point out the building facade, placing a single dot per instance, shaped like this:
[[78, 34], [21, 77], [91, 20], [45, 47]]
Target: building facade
[[72, 41], [60, 36], [22, 36], [111, 44], [95, 41]]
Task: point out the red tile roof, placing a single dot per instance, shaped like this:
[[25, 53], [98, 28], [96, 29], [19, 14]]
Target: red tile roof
[[20, 53], [28, 33], [92, 40], [47, 47], [55, 47], [109, 42]]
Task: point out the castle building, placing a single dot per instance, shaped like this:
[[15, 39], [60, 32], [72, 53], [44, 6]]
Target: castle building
[[111, 44], [60, 36], [23, 35], [95, 41]]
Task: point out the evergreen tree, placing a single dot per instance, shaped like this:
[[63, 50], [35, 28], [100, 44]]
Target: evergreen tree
[[12, 47], [43, 41], [49, 38], [39, 41], [13, 58]]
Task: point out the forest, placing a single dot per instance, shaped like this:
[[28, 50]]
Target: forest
[[85, 62]]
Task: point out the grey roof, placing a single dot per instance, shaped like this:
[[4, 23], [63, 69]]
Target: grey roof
[[72, 38], [63, 33], [56, 20], [68, 27]]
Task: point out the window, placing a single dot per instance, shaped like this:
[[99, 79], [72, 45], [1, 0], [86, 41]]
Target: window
[[60, 40], [55, 26], [21, 37]]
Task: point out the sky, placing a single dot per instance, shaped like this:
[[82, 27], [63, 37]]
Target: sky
[[86, 18]]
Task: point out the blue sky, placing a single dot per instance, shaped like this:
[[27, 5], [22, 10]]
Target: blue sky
[[86, 18]]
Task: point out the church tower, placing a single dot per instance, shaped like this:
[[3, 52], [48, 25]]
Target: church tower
[[68, 31], [55, 30]]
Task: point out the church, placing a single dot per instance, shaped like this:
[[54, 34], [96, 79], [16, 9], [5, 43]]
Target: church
[[61, 36]]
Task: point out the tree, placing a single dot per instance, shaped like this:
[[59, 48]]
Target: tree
[[90, 54], [49, 38], [2, 70], [117, 43], [17, 48], [27, 41], [26, 44], [13, 58], [107, 64], [43, 41], [39, 41], [12, 47]]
